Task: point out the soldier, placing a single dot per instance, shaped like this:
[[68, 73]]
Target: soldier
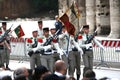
[[71, 54], [55, 40], [1, 55], [63, 42], [6, 46], [40, 30], [76, 59], [47, 58], [32, 50], [87, 49]]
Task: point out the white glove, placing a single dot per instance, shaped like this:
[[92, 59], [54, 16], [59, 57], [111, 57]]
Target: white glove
[[88, 45], [47, 47], [81, 51], [34, 49]]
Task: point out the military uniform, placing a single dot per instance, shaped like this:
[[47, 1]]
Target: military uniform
[[40, 31], [1, 55], [63, 42], [56, 47], [34, 45], [1, 52], [73, 56], [88, 52], [7, 52], [47, 58], [5, 48]]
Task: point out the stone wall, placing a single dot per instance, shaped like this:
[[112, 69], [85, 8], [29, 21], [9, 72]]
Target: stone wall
[[101, 14]]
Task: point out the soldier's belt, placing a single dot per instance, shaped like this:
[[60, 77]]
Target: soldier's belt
[[48, 53], [49, 50], [84, 49], [74, 49], [40, 51], [88, 50]]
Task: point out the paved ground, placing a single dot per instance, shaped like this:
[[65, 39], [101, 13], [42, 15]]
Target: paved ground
[[113, 73]]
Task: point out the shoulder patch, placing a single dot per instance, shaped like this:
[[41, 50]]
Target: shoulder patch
[[29, 40], [79, 36], [40, 40]]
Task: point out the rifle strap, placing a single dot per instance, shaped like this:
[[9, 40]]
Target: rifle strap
[[87, 36], [35, 40]]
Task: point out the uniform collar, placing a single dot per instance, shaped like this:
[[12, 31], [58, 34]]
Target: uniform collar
[[58, 74]]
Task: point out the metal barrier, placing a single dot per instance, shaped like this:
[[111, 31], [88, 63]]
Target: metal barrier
[[18, 49], [111, 53]]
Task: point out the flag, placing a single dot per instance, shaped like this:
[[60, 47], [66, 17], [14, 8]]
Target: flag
[[64, 18], [19, 31], [75, 10], [69, 26]]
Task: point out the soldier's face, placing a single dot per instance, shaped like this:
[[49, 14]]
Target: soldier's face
[[52, 31], [4, 27], [63, 30], [40, 25], [86, 30], [46, 33], [35, 34]]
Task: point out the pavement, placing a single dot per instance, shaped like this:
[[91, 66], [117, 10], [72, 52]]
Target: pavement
[[112, 73]]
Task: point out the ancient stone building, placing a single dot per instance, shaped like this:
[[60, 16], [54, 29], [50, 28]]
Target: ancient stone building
[[101, 14]]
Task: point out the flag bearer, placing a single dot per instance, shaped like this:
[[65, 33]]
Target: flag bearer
[[63, 42], [70, 54]]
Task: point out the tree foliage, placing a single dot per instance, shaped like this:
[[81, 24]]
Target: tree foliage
[[44, 5]]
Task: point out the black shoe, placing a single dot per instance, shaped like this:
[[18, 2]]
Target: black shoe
[[8, 68], [78, 76]]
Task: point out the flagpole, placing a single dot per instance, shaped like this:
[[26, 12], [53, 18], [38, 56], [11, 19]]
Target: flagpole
[[14, 28], [78, 24], [68, 45]]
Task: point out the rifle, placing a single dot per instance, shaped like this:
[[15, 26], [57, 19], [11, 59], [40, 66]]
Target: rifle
[[3, 37], [51, 38], [90, 38]]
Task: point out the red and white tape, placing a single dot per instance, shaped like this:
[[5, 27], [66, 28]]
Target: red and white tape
[[17, 39], [109, 43]]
